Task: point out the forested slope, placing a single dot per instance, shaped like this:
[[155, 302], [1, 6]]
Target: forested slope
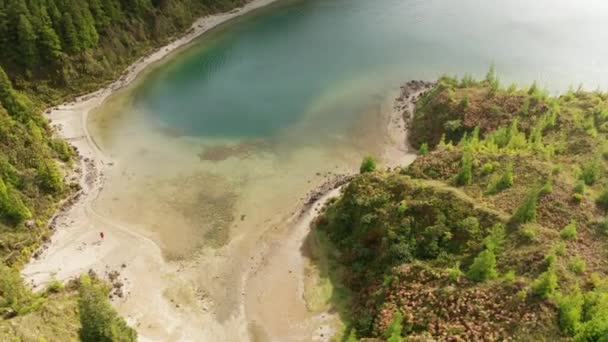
[[57, 48], [496, 231]]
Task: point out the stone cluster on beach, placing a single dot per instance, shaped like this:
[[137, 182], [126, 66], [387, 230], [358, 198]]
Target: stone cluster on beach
[[410, 93]]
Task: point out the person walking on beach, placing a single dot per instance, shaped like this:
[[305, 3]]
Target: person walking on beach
[[101, 235]]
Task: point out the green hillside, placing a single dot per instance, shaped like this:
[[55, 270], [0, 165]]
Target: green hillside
[[60, 48], [499, 231]]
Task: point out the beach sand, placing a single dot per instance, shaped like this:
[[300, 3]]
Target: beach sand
[[151, 288], [162, 299]]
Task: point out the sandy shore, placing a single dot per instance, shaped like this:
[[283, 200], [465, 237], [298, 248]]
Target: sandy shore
[[398, 151], [275, 303], [152, 293], [143, 281]]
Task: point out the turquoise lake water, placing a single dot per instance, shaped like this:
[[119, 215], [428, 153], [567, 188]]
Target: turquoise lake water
[[258, 75], [244, 120]]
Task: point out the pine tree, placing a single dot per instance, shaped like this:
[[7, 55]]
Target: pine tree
[[483, 267], [527, 209], [70, 37], [11, 205], [49, 177], [55, 16], [101, 18], [48, 40], [465, 175], [424, 149], [17, 105], [99, 320], [6, 88], [27, 42], [85, 26], [394, 331]]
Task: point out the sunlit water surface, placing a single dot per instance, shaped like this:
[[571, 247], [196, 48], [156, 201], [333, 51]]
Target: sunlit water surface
[[223, 140]]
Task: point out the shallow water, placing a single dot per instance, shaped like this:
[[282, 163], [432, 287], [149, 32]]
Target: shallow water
[[220, 143]]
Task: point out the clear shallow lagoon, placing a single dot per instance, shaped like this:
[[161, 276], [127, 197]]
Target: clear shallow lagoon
[[232, 131]]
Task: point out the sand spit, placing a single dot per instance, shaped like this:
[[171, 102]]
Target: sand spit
[[274, 301], [398, 151]]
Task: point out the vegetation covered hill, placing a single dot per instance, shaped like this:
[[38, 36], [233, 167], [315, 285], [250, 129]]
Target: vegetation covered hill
[[51, 50], [80, 311], [498, 231], [54, 49]]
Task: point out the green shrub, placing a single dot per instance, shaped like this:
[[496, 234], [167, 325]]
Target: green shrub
[[493, 82], [393, 332], [483, 267], [579, 188], [569, 231], [545, 285], [15, 297], [529, 232], [352, 336], [489, 168], [577, 265], [49, 177], [524, 110], [54, 286], [602, 201], [471, 226], [455, 272], [556, 170], [526, 212], [99, 320], [465, 174], [533, 88], [504, 182], [550, 260], [509, 277], [495, 239], [595, 317], [579, 192], [560, 248], [402, 208], [491, 74], [603, 225], [452, 125], [63, 150], [590, 172], [11, 206], [368, 165], [570, 308], [521, 295], [467, 81], [596, 329], [424, 149], [443, 144], [547, 188]]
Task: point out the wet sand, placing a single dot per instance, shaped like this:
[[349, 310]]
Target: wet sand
[[152, 289], [275, 303], [250, 288]]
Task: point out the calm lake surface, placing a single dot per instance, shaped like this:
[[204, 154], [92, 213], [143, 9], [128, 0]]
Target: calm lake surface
[[225, 138]]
